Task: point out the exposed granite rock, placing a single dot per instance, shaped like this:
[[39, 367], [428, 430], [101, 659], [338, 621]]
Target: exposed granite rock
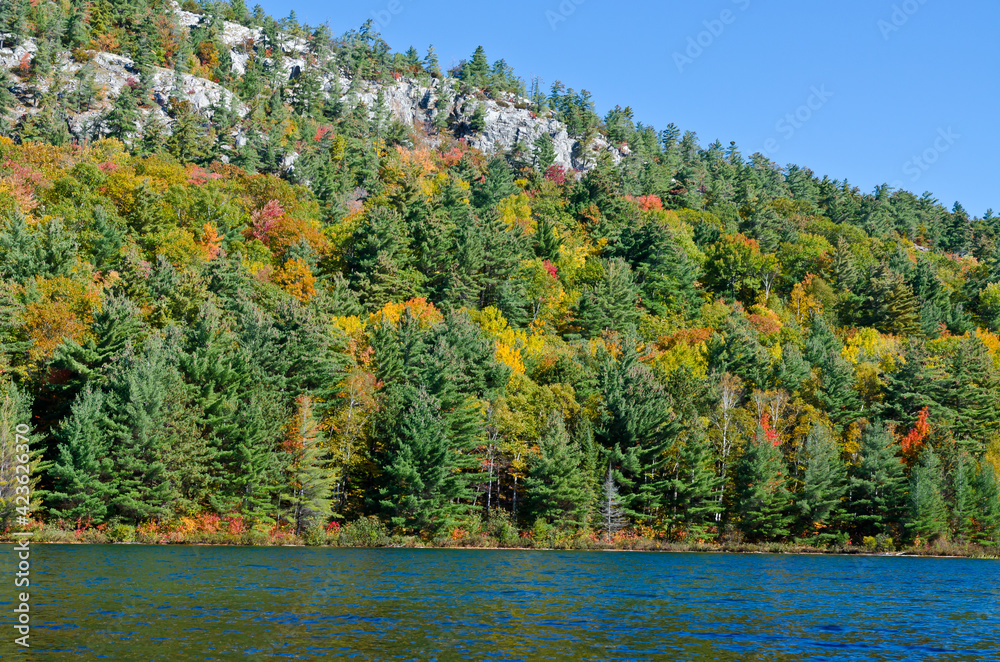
[[508, 121]]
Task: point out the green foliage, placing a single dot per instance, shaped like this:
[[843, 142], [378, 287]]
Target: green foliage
[[762, 499], [557, 488], [824, 483], [227, 310], [875, 494]]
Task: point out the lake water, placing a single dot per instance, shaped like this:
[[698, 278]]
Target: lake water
[[223, 603]]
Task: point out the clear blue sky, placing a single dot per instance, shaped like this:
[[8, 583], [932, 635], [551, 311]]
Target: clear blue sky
[[898, 81]]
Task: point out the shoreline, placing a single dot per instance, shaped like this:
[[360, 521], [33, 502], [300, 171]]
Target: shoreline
[[778, 549]]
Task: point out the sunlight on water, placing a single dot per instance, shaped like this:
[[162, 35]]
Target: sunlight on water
[[214, 603]]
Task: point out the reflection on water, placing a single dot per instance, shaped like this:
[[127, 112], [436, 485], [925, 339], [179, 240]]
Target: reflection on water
[[222, 603]]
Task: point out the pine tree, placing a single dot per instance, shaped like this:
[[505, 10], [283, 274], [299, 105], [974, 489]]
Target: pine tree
[[662, 269], [544, 152], [837, 394], [188, 140], [762, 500], [636, 429], [380, 262], [252, 466], [987, 491], [422, 489], [82, 470], [138, 415], [309, 480], [17, 439], [694, 489], [476, 72], [431, 64], [20, 249], [611, 303], [962, 495], [115, 325], [823, 485], [927, 510], [477, 122], [876, 484], [842, 269], [7, 98], [611, 511], [557, 488]]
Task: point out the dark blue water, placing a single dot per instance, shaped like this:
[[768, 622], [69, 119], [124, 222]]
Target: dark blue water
[[219, 603]]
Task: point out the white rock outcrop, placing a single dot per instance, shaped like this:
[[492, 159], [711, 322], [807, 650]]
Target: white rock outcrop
[[508, 121]]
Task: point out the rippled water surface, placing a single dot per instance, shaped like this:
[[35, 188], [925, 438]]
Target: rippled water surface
[[223, 603]]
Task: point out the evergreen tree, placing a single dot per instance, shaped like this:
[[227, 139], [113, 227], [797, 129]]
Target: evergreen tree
[[20, 249], [927, 510], [962, 495], [138, 429], [423, 491], [120, 122], [761, 499], [309, 480], [824, 483], [477, 123], [544, 152], [694, 489], [476, 72], [823, 350], [557, 488], [610, 304], [635, 429], [987, 491], [81, 473], [876, 484], [431, 64], [611, 510]]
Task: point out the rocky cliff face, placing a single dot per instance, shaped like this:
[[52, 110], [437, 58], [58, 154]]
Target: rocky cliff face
[[508, 122]]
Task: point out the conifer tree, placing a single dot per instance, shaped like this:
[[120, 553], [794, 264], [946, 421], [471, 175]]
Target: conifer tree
[[138, 414], [762, 501], [82, 471], [823, 485], [837, 394], [557, 488], [611, 303], [431, 64], [476, 72], [7, 98], [423, 491], [927, 510], [842, 269], [20, 249], [876, 484], [611, 510], [17, 439], [987, 491], [962, 495], [635, 429], [694, 489], [309, 479], [544, 152]]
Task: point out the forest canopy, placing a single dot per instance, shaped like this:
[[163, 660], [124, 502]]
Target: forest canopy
[[311, 312]]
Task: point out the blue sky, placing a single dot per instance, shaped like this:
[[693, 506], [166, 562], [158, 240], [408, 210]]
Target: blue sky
[[902, 92]]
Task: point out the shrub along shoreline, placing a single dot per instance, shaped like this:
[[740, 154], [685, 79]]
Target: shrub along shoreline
[[372, 533]]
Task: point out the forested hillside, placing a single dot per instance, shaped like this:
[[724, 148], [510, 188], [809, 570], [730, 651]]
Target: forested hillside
[[242, 284]]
